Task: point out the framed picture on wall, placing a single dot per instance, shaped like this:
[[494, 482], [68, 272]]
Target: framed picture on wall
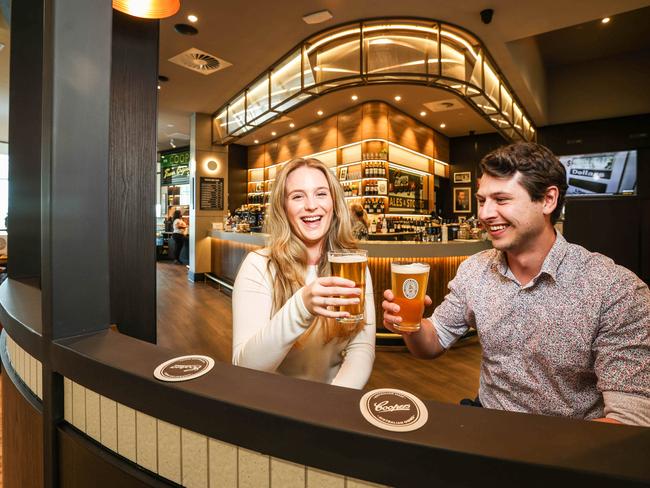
[[464, 177], [382, 187], [343, 174], [463, 199]]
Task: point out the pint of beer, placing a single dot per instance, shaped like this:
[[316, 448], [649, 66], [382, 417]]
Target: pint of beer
[[409, 285], [351, 265]]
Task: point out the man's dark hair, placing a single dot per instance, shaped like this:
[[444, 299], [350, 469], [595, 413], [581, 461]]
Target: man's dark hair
[[539, 169]]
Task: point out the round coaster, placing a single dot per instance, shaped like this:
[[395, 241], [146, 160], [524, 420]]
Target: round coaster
[[183, 368], [394, 410]]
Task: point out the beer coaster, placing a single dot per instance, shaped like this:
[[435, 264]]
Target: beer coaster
[[183, 368], [395, 410]]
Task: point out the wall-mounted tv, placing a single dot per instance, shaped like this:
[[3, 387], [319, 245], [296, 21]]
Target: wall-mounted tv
[[609, 173]]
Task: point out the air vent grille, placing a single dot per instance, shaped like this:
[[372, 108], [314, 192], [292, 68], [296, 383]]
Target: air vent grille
[[200, 61]]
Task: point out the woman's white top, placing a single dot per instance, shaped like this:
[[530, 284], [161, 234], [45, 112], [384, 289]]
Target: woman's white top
[[179, 226], [265, 342]]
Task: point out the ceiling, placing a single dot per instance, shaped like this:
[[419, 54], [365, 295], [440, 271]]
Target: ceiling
[[561, 62]]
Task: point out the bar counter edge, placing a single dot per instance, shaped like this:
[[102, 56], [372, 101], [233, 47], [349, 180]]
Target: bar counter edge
[[320, 426]]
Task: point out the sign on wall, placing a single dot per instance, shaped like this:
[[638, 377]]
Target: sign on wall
[[211, 193], [175, 168]]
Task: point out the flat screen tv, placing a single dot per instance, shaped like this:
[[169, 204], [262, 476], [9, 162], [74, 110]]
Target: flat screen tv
[[610, 173]]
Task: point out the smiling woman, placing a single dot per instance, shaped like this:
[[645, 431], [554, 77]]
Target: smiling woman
[[292, 329]]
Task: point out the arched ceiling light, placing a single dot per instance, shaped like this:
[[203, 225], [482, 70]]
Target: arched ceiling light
[[148, 9]]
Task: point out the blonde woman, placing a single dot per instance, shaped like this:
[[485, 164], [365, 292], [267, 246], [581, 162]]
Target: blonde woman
[[282, 302]]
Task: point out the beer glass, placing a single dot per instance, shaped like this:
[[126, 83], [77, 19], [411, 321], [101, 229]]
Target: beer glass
[[351, 265], [409, 285]]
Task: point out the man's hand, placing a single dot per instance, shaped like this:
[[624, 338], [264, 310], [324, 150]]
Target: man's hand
[[391, 311]]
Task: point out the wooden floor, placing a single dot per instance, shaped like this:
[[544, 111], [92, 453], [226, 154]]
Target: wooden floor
[[196, 318]]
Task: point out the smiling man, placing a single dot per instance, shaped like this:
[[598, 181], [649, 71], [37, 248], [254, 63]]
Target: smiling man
[[564, 331]]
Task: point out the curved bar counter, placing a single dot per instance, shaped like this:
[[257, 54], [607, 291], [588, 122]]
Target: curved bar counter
[[239, 427]]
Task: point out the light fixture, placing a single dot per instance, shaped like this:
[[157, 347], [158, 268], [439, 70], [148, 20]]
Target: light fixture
[[159, 87], [443, 125], [320, 112], [606, 20], [274, 133], [292, 125], [192, 18], [397, 98], [171, 143], [381, 41], [256, 141], [212, 165], [317, 17], [148, 9], [423, 113], [170, 125], [354, 98]]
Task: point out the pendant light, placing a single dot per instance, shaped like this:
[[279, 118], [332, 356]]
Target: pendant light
[[148, 9]]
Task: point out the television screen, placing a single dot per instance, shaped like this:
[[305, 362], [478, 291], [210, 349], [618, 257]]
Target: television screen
[[608, 173]]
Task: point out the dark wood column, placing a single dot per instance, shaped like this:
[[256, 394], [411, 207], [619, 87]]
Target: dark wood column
[[132, 175]]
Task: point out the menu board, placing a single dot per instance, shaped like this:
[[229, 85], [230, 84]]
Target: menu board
[[211, 193]]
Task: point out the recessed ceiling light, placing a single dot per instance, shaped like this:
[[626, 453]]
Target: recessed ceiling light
[[274, 133], [354, 98], [317, 17], [606, 20], [320, 112], [256, 141], [170, 125], [292, 125], [186, 29], [443, 125], [423, 113], [192, 18], [397, 98], [159, 87]]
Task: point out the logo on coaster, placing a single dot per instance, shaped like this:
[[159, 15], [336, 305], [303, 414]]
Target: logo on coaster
[[394, 410], [410, 288], [183, 368]]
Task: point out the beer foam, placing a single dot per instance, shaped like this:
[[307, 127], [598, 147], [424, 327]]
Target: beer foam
[[410, 268], [348, 258]]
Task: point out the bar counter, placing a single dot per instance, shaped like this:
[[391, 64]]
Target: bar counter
[[238, 427], [230, 248]]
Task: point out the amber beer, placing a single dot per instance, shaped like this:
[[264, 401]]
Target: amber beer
[[409, 285], [351, 265]]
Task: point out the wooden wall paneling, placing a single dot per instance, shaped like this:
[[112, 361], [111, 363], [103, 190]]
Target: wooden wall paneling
[[22, 439], [272, 150], [375, 120], [256, 156], [349, 126], [408, 132], [322, 136], [440, 147]]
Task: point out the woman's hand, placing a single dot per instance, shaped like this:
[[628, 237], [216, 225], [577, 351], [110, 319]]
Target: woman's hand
[[330, 291], [391, 311]]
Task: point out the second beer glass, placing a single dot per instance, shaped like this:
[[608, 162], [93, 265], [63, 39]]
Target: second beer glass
[[351, 265], [409, 285]]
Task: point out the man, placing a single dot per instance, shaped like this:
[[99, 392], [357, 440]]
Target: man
[[563, 331]]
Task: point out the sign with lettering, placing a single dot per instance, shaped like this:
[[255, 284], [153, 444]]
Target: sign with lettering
[[394, 410], [211, 193], [175, 168], [592, 173], [183, 368]]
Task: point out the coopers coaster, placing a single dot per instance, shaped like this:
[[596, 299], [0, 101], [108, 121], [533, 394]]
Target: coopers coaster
[[183, 368], [394, 410]]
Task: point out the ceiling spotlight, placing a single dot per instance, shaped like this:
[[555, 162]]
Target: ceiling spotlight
[[292, 125], [606, 20], [354, 98], [256, 141], [274, 133], [192, 18], [159, 87], [423, 113], [186, 29], [397, 98], [317, 17], [320, 112], [170, 125], [171, 143], [443, 125]]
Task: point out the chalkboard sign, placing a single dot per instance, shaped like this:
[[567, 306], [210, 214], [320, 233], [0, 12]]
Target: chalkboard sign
[[211, 193]]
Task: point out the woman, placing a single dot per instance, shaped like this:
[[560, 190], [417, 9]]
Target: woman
[[360, 222], [178, 234], [283, 297]]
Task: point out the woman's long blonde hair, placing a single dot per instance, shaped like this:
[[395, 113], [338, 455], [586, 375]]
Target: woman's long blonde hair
[[288, 254]]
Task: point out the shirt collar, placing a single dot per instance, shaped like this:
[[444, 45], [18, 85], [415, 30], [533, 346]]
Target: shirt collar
[[550, 265]]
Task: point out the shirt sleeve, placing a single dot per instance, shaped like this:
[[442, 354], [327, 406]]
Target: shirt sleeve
[[622, 344], [360, 351], [450, 318], [627, 408], [260, 341]]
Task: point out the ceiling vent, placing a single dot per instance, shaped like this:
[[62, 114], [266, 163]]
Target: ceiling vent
[[199, 61], [444, 105]]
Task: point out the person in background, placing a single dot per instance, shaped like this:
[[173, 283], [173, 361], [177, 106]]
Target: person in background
[[360, 222], [179, 231], [563, 331], [283, 299]]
